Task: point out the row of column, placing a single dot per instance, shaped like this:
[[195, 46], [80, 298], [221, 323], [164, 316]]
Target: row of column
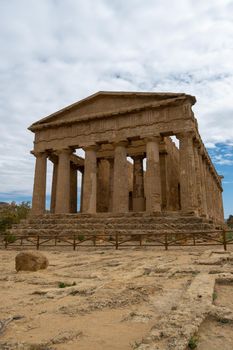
[[199, 189], [64, 184], [119, 177]]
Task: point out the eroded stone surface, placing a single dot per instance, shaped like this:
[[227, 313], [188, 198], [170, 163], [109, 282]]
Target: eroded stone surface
[[154, 299]]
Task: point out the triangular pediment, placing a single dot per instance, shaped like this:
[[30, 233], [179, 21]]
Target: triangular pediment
[[105, 103]]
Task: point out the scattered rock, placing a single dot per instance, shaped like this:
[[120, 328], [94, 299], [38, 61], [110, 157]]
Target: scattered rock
[[64, 337], [137, 317], [5, 322], [30, 261]]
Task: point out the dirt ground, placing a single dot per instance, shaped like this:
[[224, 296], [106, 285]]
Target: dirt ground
[[125, 299]]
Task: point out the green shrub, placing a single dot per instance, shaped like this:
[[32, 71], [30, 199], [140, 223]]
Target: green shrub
[[193, 342], [12, 214], [81, 237], [214, 296], [10, 238], [224, 320], [229, 235]]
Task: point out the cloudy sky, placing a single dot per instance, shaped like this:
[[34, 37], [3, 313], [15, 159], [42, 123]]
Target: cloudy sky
[[55, 52]]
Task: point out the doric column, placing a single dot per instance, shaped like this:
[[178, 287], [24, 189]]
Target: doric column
[[138, 183], [203, 184], [165, 200], [213, 194], [54, 187], [120, 179], [152, 177], [73, 188], [221, 211], [63, 182], [102, 185], [111, 178], [209, 190], [199, 189], [90, 181], [205, 171], [187, 172], [39, 188]]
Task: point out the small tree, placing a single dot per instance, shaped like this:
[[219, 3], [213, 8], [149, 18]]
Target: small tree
[[230, 221], [12, 214]]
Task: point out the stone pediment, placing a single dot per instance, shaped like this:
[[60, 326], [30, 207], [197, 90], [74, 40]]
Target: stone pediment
[[103, 104]]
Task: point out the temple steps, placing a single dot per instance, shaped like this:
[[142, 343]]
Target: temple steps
[[107, 223], [112, 226]]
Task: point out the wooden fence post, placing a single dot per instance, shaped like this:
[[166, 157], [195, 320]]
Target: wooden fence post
[[194, 239], [38, 243], [74, 243], [224, 239], [166, 243], [117, 242], [140, 240], [6, 243]]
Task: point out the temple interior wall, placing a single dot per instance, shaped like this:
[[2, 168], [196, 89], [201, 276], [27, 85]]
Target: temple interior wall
[[104, 181]]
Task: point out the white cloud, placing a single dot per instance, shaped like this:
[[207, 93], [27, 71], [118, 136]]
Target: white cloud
[[54, 52]]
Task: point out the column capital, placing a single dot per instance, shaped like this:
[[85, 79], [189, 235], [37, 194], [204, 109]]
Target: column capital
[[152, 138], [185, 134], [39, 154], [121, 143], [91, 147], [53, 158], [68, 151]]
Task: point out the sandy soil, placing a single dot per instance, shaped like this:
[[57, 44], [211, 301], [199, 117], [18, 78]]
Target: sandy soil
[[117, 300]]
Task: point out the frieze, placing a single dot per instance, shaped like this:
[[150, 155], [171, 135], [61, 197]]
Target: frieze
[[131, 126]]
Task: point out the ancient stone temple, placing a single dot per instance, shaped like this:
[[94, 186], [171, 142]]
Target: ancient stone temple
[[131, 163]]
